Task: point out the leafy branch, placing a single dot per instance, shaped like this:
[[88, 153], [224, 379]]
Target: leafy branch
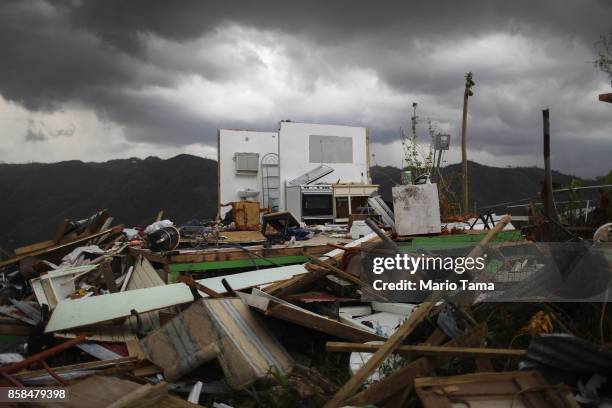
[[604, 54]]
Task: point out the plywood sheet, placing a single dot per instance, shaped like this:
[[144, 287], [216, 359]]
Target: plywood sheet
[[96, 309]]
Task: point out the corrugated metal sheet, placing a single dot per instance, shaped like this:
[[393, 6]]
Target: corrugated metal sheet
[[568, 353]]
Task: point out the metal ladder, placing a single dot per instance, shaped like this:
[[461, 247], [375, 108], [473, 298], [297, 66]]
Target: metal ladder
[[270, 181]]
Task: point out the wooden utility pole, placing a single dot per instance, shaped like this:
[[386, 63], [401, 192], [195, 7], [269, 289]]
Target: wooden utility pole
[[607, 97], [469, 83], [547, 194]]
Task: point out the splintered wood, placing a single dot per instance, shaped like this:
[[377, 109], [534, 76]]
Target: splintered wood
[[483, 390]]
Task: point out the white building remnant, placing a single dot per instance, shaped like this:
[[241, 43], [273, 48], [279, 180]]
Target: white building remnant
[[305, 146], [258, 165], [239, 155]]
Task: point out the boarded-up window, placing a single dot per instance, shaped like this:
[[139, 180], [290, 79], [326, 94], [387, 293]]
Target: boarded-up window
[[330, 149]]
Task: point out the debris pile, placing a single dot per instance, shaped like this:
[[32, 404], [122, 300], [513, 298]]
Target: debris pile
[[284, 314]]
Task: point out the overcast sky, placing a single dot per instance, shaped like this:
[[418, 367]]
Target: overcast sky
[[97, 80]]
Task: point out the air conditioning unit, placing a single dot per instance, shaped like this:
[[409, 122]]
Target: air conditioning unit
[[246, 163]]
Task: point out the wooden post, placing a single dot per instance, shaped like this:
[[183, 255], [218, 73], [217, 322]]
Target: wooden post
[[464, 173], [478, 250], [547, 193], [607, 97]]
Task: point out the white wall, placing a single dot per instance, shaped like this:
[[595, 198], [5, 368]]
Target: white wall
[[294, 153], [240, 141]]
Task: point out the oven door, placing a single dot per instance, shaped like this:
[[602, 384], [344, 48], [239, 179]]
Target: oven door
[[317, 205]]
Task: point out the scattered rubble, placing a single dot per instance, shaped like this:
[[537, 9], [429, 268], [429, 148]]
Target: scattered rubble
[[173, 316]]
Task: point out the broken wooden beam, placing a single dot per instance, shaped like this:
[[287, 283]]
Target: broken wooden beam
[[43, 252], [280, 309], [520, 388], [320, 323], [349, 388], [304, 281], [423, 350], [189, 281], [404, 377], [85, 368], [337, 271], [13, 368]]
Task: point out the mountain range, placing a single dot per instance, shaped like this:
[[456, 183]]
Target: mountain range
[[36, 197]]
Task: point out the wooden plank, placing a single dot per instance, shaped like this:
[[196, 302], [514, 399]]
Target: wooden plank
[[242, 236], [59, 233], [281, 309], [349, 388], [524, 388], [230, 254], [423, 350], [404, 377], [105, 391], [469, 378], [92, 365], [253, 263], [308, 279], [227, 254], [156, 257], [33, 247], [96, 309], [320, 323], [147, 371], [67, 245], [436, 338], [337, 271], [296, 284]]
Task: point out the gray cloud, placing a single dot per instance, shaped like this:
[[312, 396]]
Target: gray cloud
[[33, 135], [129, 62]]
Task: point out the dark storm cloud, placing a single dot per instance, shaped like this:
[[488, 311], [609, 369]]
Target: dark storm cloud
[[99, 54], [119, 22], [45, 63]]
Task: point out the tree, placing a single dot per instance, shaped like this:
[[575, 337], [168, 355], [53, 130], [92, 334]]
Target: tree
[[415, 160], [604, 54]]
